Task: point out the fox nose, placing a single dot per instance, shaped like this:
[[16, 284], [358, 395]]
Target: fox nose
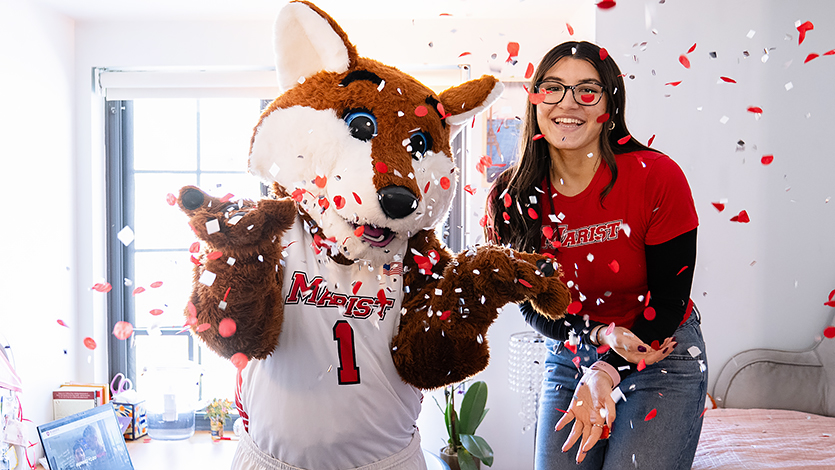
[[397, 201]]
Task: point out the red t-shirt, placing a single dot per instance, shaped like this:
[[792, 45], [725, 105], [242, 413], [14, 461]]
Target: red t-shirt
[[601, 246]]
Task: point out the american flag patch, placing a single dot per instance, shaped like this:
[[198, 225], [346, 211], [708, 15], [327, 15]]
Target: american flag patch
[[393, 269]]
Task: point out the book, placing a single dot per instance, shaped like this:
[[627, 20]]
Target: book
[[105, 390], [69, 400]]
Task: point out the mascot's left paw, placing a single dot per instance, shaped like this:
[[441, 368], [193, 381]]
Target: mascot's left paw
[[543, 277]]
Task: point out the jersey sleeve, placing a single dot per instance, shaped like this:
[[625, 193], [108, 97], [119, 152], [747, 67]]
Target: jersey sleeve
[[669, 202]]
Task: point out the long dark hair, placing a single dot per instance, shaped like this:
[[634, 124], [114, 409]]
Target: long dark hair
[[521, 180]]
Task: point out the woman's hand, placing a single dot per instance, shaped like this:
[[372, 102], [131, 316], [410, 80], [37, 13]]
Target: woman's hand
[[628, 346], [591, 409]]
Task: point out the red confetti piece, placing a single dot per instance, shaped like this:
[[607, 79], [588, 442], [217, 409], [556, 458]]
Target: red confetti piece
[[767, 159], [203, 327], [507, 200], [192, 310], [421, 111], [227, 197], [227, 327], [576, 361], [831, 303], [324, 203], [464, 54], [604, 432], [356, 287], [122, 330], [684, 61], [359, 231], [512, 50], [673, 83], [807, 26], [532, 213], [470, 189], [587, 98], [646, 299], [538, 136], [445, 183], [574, 307], [195, 260], [571, 347], [320, 181], [603, 349], [102, 287], [728, 79], [61, 322], [755, 110], [624, 140], [614, 266], [719, 206], [298, 194], [226, 294], [603, 117], [505, 216], [641, 365], [649, 313], [606, 4], [239, 360], [138, 290], [171, 199], [441, 111], [548, 232], [381, 167], [357, 198], [339, 201], [832, 52], [156, 284], [529, 71], [811, 56], [651, 414], [649, 142], [692, 48], [682, 270], [570, 29], [483, 163], [90, 343], [426, 188], [742, 217], [483, 221], [655, 345], [536, 98], [445, 315], [213, 255], [610, 329], [525, 283], [829, 332], [194, 248], [603, 53], [156, 311]]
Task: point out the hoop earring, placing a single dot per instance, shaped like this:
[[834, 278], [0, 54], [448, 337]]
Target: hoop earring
[[612, 126]]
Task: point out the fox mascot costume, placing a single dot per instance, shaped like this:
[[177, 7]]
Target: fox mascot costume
[[342, 302]]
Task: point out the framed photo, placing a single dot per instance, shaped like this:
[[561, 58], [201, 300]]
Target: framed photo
[[503, 124]]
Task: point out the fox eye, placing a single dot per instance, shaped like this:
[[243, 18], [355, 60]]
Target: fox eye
[[362, 124], [419, 144]]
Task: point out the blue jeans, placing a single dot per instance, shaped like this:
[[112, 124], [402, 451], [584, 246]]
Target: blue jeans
[[675, 387]]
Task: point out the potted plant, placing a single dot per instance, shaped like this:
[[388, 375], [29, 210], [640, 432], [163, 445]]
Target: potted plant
[[217, 411], [465, 449]]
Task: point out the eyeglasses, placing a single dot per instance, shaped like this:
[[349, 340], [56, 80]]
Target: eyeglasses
[[590, 93]]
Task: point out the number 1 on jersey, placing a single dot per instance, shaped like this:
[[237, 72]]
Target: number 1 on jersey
[[348, 372]]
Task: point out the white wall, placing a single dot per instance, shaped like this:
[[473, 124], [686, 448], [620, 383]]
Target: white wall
[[761, 284], [39, 266]]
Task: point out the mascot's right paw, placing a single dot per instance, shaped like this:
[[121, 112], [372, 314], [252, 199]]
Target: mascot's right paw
[[227, 224]]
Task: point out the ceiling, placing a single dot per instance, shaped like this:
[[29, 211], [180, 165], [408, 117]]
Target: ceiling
[[88, 10]]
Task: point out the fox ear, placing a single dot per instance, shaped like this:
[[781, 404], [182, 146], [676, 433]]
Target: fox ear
[[307, 40], [468, 99]]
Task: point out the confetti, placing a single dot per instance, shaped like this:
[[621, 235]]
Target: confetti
[[536, 98], [445, 183], [138, 290], [682, 270], [811, 56], [829, 332], [470, 190], [194, 248], [357, 198], [538, 136], [445, 315], [767, 159], [356, 287], [832, 52], [512, 50], [649, 313], [742, 217], [576, 361], [651, 139], [532, 213], [802, 29], [61, 322], [719, 206], [603, 53], [570, 29], [548, 232], [673, 83], [227, 197], [614, 266], [507, 200], [463, 54], [684, 61], [421, 111], [155, 312], [570, 347], [170, 199], [426, 188], [212, 226], [610, 329], [525, 283], [122, 330], [381, 167], [339, 201], [606, 4], [125, 235], [574, 307], [692, 48], [102, 287], [728, 79], [156, 284], [651, 414], [755, 110], [207, 278], [603, 117], [239, 360], [320, 181], [359, 231], [694, 351], [90, 343], [624, 140], [788, 86], [227, 327], [529, 71], [641, 366]]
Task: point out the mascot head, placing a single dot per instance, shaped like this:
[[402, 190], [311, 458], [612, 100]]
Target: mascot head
[[361, 146]]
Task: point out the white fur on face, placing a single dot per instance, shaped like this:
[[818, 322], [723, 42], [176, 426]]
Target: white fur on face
[[297, 145]]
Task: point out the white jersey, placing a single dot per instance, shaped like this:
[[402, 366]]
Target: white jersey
[[329, 396]]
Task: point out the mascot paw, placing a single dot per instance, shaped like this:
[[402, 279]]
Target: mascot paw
[[241, 223]]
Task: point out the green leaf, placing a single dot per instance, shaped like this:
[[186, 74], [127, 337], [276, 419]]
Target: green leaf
[[465, 460], [472, 407], [477, 446], [449, 417]]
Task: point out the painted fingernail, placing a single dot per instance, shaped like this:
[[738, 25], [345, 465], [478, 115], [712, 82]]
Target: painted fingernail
[[674, 338], [642, 349], [665, 350]]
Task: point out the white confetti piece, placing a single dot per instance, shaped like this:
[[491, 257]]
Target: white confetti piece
[[617, 395], [207, 278], [125, 235], [230, 261], [724, 119], [627, 230], [222, 305], [212, 226], [789, 86], [694, 351], [751, 34], [274, 169], [590, 257]]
